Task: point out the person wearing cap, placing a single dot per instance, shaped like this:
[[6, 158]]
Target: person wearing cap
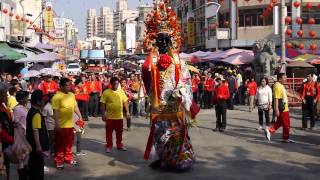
[[96, 91], [221, 95], [308, 96], [208, 90]]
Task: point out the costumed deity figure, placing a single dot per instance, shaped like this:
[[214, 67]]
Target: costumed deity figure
[[168, 82]]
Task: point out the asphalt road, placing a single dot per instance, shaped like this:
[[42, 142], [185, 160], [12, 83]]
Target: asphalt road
[[241, 152]]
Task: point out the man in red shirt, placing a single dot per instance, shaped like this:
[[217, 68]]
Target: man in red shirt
[[195, 84], [208, 90], [96, 91], [221, 95], [251, 90], [308, 95], [48, 86]]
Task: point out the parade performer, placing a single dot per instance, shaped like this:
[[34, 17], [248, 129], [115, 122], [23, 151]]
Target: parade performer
[[168, 83]]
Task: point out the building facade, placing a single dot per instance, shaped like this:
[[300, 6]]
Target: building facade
[[92, 23], [140, 28], [240, 23], [105, 23]]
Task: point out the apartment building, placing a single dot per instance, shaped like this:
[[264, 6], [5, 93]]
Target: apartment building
[[105, 23], [92, 23]]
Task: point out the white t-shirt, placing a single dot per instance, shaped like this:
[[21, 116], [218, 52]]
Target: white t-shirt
[[264, 95], [47, 112]]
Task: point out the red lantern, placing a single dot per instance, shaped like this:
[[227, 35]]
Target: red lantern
[[17, 17], [274, 1], [5, 11], [311, 21], [312, 34], [319, 6], [297, 4], [288, 20], [10, 14], [270, 6], [313, 47], [300, 46], [260, 16], [34, 26], [22, 19], [226, 23], [161, 6], [300, 33], [289, 32], [27, 21], [30, 23], [289, 45], [299, 20], [309, 5]]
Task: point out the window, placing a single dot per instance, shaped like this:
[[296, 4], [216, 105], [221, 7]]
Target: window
[[211, 27], [312, 13], [194, 5], [251, 17]]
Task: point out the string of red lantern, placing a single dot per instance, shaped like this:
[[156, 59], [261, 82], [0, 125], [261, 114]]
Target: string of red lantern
[[22, 19]]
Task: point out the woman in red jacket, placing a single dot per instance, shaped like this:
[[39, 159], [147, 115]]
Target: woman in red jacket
[[221, 95]]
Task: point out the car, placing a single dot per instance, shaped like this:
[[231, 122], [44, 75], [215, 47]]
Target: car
[[74, 68]]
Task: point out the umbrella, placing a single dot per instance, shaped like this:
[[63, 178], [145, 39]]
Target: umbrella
[[50, 71], [31, 73], [193, 69], [235, 51], [304, 57], [44, 57], [185, 56], [238, 59], [141, 61], [313, 60], [213, 56], [1, 55]]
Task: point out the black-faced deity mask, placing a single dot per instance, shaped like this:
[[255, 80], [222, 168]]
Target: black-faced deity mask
[[163, 42]]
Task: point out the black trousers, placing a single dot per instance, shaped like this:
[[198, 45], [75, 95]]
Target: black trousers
[[195, 97], [231, 101], [36, 166], [84, 109], [94, 104], [207, 99], [266, 114], [78, 141], [308, 111], [221, 114]]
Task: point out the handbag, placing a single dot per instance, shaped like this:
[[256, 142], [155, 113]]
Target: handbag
[[20, 149]]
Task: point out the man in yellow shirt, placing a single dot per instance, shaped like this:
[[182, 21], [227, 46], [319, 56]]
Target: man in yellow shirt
[[112, 103], [64, 106], [281, 108], [12, 102]]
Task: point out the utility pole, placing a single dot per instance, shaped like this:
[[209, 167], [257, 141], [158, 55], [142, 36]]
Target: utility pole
[[283, 34], [24, 27]]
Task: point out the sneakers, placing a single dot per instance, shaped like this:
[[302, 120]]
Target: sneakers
[[108, 150], [288, 141], [267, 133], [46, 169], [60, 166], [74, 163], [80, 154], [122, 149]]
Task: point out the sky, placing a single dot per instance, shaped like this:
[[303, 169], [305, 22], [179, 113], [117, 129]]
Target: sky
[[77, 9]]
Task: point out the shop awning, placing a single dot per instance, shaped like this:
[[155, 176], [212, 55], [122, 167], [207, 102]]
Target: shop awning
[[9, 53]]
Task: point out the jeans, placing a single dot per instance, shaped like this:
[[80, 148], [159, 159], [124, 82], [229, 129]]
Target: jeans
[[84, 109], [308, 111], [221, 114], [94, 104], [141, 106], [267, 116]]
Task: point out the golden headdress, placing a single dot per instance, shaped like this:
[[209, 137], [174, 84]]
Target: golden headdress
[[162, 19]]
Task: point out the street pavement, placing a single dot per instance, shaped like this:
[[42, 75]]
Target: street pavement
[[241, 152]]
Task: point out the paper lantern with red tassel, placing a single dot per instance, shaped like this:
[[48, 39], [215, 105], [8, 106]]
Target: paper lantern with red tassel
[[10, 14], [312, 34], [289, 32], [288, 20], [27, 21], [300, 46], [309, 5], [299, 20], [22, 19], [297, 4], [289, 45], [313, 47], [5, 11], [300, 33], [311, 21], [17, 17]]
